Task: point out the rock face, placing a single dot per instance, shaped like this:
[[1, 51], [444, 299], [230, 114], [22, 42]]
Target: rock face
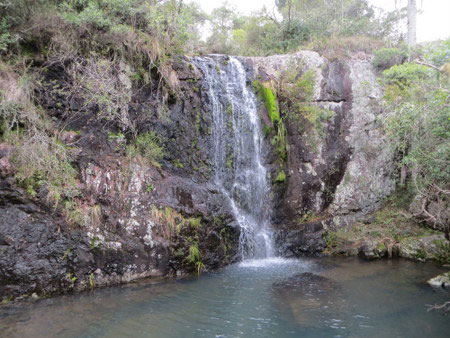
[[139, 220], [341, 172]]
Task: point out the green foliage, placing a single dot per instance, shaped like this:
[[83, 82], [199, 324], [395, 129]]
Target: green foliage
[[73, 214], [331, 239], [297, 95], [107, 86], [419, 131], [443, 252], [437, 53], [147, 147], [194, 222], [264, 33], [195, 258], [388, 57], [91, 280], [5, 35], [269, 98], [338, 47], [281, 177], [177, 163], [194, 254], [170, 222], [405, 75], [279, 140], [42, 161]]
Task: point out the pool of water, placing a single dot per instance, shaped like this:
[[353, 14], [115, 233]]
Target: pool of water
[[325, 297]]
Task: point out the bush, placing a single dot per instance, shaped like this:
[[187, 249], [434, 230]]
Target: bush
[[147, 147], [418, 129], [5, 35], [337, 47], [387, 57], [42, 161], [406, 74], [107, 86]]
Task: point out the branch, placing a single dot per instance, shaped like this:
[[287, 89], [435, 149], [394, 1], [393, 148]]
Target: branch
[[428, 65], [445, 306]]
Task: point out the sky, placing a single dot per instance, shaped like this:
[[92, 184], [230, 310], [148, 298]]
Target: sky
[[433, 22]]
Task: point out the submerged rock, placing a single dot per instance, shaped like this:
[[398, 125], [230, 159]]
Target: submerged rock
[[306, 296]]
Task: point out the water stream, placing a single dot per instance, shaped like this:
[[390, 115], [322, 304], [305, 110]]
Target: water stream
[[238, 151]]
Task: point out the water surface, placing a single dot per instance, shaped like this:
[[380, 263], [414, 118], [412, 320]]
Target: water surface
[[325, 297]]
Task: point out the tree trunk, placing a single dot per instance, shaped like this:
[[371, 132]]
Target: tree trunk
[[412, 22]]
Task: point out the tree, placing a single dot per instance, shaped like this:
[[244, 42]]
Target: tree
[[412, 22], [222, 20], [419, 130]]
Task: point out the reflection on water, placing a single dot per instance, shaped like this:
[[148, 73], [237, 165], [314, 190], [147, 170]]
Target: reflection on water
[[258, 298]]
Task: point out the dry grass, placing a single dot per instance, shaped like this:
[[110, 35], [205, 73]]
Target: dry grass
[[170, 222], [344, 47], [16, 98], [107, 85]]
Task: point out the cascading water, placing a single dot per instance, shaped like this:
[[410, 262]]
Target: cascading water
[[238, 151]]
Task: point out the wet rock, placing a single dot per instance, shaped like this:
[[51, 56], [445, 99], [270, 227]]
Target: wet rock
[[442, 280], [300, 240], [372, 250]]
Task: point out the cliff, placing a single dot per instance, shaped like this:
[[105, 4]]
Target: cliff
[[135, 218]]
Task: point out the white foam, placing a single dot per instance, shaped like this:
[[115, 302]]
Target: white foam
[[266, 262]]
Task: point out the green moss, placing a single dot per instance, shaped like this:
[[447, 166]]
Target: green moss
[[269, 98], [281, 177]]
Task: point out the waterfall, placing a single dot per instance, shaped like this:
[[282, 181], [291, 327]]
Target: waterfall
[[238, 151]]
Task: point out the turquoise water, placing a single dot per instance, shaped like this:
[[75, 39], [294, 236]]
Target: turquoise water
[[261, 298]]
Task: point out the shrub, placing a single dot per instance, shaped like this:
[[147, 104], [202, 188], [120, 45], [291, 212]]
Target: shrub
[[169, 221], [280, 141], [443, 252], [147, 147], [298, 94], [195, 258], [16, 100], [337, 47], [387, 57], [42, 161], [417, 127], [406, 74], [5, 35], [107, 86]]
